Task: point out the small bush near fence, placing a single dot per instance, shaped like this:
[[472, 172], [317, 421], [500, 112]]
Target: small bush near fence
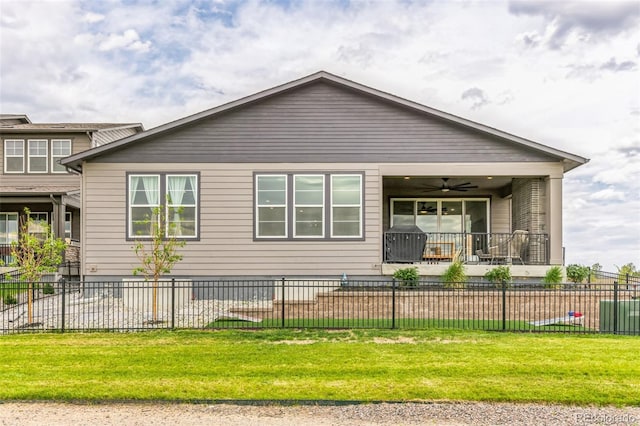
[[127, 306]]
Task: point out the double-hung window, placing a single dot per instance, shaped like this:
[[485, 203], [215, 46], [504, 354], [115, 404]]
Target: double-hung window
[[346, 205], [176, 193], [14, 156], [38, 153], [308, 200], [60, 148], [321, 206], [271, 206]]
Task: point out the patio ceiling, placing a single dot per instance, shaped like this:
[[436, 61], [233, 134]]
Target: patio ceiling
[[419, 183]]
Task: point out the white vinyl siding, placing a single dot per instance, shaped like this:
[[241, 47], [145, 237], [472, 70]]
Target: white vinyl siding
[[14, 156], [38, 155], [271, 206], [60, 148]]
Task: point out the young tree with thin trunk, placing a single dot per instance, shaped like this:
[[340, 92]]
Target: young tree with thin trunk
[[157, 254], [34, 255]]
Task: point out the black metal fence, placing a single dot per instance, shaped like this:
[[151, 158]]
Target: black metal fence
[[606, 307]]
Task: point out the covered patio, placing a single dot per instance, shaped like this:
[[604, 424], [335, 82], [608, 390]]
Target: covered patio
[[481, 219]]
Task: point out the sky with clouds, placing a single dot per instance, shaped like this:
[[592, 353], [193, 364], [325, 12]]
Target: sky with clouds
[[562, 73]]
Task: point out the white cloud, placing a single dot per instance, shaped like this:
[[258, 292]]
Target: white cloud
[[92, 18], [128, 40]]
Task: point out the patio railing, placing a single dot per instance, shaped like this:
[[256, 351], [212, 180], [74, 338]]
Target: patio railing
[[601, 305], [518, 247]]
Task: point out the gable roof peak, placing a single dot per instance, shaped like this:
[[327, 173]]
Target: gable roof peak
[[570, 160]]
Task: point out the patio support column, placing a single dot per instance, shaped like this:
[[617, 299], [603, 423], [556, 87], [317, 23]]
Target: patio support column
[[554, 219], [57, 220]]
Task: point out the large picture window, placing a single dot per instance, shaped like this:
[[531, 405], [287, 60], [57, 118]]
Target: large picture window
[[309, 206], [176, 193]]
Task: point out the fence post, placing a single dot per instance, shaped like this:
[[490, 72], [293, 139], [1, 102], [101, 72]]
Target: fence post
[[504, 305], [173, 303], [393, 304], [282, 301], [62, 283], [615, 307]]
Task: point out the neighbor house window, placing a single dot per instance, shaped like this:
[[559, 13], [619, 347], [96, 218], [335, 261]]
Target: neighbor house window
[[67, 225], [60, 148], [14, 156], [38, 152], [308, 206], [8, 228], [177, 193], [39, 223]]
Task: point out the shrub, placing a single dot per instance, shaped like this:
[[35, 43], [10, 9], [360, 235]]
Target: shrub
[[577, 273], [10, 299], [499, 276], [455, 276], [407, 276], [48, 289], [553, 278]]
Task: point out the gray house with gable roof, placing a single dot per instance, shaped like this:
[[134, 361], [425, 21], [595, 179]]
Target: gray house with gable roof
[[318, 177]]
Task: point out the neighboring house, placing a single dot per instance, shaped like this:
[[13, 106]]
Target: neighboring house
[[306, 179], [32, 177]]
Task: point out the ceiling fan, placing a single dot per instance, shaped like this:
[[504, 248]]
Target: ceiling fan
[[445, 187]]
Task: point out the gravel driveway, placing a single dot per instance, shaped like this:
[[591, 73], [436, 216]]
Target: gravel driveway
[[367, 414]]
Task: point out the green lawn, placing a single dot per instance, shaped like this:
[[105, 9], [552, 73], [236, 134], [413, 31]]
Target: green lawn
[[400, 323], [365, 365]]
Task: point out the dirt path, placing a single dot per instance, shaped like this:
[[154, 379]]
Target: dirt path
[[54, 414]]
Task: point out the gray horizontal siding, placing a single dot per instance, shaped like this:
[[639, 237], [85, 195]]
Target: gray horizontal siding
[[323, 123], [226, 245]]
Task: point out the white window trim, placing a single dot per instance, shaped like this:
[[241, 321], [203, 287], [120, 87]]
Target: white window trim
[[13, 156], [331, 206], [55, 157], [45, 156], [290, 208], [285, 206], [296, 205]]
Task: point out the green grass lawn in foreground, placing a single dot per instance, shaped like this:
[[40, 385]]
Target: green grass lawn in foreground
[[367, 365]]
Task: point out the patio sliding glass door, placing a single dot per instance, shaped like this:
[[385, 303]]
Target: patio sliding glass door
[[442, 215]]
